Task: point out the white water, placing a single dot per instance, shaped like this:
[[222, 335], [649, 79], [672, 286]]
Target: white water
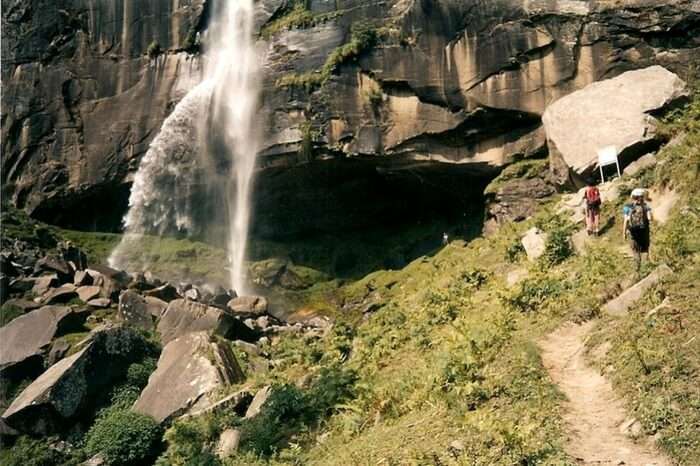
[[234, 68], [181, 158]]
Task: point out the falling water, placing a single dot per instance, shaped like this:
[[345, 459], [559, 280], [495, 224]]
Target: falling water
[[233, 68], [215, 117]]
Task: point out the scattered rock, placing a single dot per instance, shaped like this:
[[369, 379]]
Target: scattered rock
[[61, 295], [99, 303], [534, 243], [134, 311], [645, 161], [193, 294], [184, 316], [631, 427], [613, 112], [228, 443], [662, 203], [87, 293], [55, 265], [237, 402], [28, 336], [156, 307], [190, 369], [43, 284], [67, 389], [248, 306], [258, 401], [97, 460], [165, 293], [82, 278], [620, 305]]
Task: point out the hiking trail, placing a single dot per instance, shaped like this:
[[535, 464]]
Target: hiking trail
[[593, 414]]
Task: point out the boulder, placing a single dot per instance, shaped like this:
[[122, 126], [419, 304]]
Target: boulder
[[156, 307], [60, 295], [134, 311], [259, 400], [24, 285], [165, 292], [184, 316], [228, 443], [69, 388], [534, 242], [111, 280], [56, 265], [25, 339], [87, 293], [82, 278], [190, 370], [620, 305], [99, 303], [248, 306], [23, 304], [193, 294], [43, 284], [614, 112]]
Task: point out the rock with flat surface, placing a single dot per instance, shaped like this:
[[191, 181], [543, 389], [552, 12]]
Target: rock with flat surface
[[67, 389], [29, 335], [165, 292], [614, 112], [184, 316], [534, 243], [99, 303], [190, 370], [134, 311], [248, 306], [258, 401], [43, 284], [87, 293], [228, 443], [23, 304], [82, 278], [60, 295], [622, 304]]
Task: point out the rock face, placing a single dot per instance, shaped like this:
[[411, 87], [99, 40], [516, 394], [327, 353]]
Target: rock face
[[189, 370], [453, 88], [66, 389], [27, 336], [614, 112], [81, 100]]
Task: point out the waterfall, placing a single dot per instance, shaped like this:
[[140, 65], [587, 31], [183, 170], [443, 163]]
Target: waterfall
[[206, 147]]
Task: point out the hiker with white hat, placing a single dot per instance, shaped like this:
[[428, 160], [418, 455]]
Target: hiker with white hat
[[637, 223]]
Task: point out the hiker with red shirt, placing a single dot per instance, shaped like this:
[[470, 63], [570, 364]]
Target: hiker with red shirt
[[591, 197]]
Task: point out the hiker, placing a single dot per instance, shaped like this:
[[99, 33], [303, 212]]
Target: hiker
[[638, 219], [445, 239], [592, 200]]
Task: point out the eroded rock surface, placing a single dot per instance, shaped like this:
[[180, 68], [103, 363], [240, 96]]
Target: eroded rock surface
[[190, 369]]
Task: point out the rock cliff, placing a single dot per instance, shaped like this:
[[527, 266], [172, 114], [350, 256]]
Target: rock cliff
[[378, 94]]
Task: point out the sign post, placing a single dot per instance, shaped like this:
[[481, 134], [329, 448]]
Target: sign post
[[608, 156]]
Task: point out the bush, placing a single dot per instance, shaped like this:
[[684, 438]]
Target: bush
[[153, 50], [123, 437], [533, 293], [8, 313], [30, 452]]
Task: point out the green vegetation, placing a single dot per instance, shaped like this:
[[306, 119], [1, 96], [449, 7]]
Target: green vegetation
[[123, 437], [154, 50], [8, 313], [363, 37], [525, 169]]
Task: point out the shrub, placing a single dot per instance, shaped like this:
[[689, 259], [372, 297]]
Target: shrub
[[153, 49], [123, 437], [138, 373], [533, 293], [558, 246], [30, 452], [8, 313]]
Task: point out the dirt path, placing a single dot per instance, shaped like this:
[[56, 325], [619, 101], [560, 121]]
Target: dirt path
[[593, 415]]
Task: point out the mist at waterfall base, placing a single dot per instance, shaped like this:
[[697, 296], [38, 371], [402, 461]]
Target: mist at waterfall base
[[196, 178]]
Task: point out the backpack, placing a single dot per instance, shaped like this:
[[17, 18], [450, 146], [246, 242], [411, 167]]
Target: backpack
[[593, 197], [638, 219]]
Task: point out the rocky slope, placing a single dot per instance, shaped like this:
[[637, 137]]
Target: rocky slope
[[439, 92]]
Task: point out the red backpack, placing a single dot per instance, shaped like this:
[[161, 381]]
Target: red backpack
[[593, 197]]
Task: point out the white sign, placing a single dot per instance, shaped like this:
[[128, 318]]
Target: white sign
[[607, 156]]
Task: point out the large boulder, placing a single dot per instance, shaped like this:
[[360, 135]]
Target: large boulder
[[190, 370], [624, 302], [69, 388], [183, 316], [25, 339], [134, 310], [248, 306], [615, 112]]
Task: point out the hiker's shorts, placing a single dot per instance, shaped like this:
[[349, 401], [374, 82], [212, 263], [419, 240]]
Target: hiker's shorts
[[640, 240]]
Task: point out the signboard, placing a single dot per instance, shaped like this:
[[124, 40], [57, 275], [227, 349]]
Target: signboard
[[607, 156]]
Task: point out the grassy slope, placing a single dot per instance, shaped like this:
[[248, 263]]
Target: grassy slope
[[451, 355]]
